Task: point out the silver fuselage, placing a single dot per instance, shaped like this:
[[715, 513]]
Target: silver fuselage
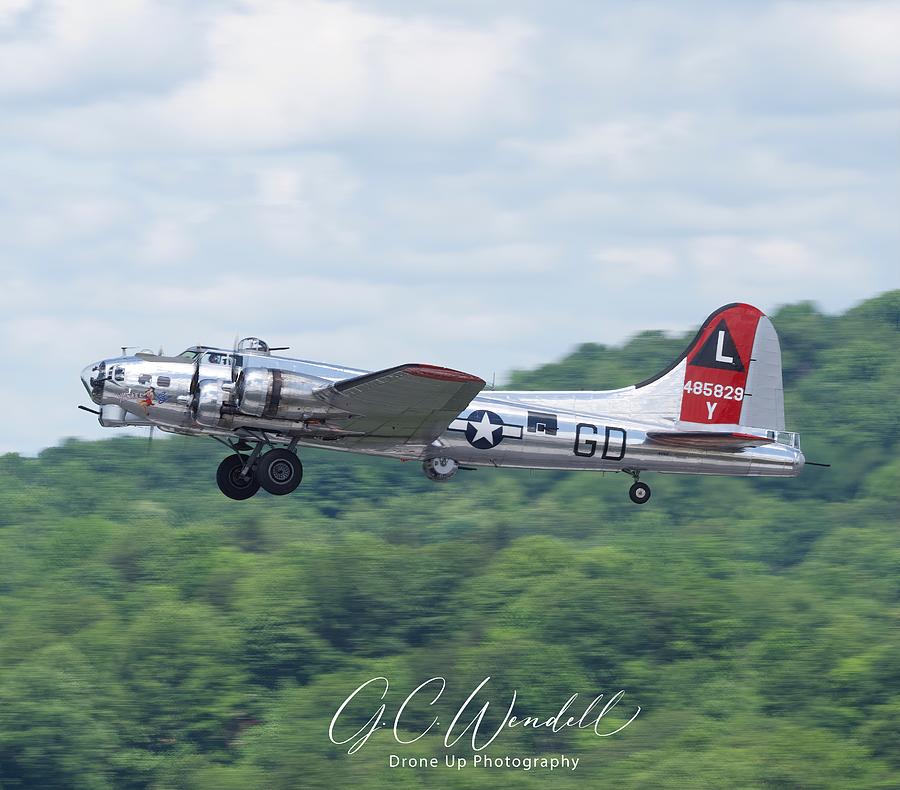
[[534, 430]]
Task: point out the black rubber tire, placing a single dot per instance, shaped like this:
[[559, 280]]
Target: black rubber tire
[[228, 476], [279, 471], [639, 493]]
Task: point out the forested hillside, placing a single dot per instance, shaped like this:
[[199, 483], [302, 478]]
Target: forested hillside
[[154, 634]]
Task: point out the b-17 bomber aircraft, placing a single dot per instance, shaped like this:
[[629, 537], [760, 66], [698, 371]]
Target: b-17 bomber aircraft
[[717, 410]]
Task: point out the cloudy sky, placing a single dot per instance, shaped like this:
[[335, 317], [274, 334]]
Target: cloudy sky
[[480, 185]]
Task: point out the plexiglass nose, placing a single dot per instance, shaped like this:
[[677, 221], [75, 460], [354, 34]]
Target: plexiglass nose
[[86, 376]]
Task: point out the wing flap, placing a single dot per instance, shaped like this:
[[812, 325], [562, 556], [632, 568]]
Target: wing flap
[[410, 403]]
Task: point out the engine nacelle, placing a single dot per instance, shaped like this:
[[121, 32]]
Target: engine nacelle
[[278, 394], [206, 406], [439, 469]]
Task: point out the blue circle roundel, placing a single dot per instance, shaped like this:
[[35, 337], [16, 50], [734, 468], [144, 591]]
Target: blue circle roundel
[[484, 429]]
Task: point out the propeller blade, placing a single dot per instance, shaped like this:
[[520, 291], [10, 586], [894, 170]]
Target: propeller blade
[[195, 389]]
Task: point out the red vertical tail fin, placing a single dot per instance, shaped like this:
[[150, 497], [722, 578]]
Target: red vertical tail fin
[[732, 373], [718, 364]]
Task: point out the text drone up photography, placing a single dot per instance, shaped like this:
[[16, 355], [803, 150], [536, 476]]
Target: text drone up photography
[[427, 395]]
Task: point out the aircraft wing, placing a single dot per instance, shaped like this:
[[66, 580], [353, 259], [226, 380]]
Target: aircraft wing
[[413, 403], [708, 440]]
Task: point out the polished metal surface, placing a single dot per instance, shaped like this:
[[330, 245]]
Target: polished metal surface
[[210, 398], [281, 394], [209, 391], [254, 391]]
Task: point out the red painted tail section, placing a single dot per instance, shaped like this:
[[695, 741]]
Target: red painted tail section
[[715, 378]]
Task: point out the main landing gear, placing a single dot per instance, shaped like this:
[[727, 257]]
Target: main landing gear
[[233, 481], [639, 492], [279, 471], [240, 476]]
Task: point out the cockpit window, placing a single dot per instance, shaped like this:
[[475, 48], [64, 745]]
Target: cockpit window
[[218, 358], [190, 353]]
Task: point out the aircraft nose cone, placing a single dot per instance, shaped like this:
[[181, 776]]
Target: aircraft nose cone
[[87, 374]]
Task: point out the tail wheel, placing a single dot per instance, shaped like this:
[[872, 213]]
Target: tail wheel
[[232, 483], [639, 493], [279, 471], [439, 469]]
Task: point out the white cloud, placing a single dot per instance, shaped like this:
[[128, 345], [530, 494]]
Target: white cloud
[[302, 203], [484, 186], [164, 242], [68, 218], [467, 264], [767, 269], [769, 260], [10, 10], [73, 46], [274, 74], [631, 265], [622, 145], [849, 42], [285, 72]]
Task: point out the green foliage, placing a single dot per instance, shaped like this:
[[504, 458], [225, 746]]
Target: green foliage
[[156, 635]]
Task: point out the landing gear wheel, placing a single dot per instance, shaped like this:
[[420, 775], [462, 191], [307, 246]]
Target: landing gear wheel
[[279, 471], [440, 469], [232, 483], [639, 493]]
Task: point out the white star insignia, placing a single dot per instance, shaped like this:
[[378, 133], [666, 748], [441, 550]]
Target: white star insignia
[[484, 429]]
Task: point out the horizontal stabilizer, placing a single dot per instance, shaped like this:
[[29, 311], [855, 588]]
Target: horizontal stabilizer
[[708, 440]]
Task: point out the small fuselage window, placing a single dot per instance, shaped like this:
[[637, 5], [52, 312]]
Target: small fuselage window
[[119, 374], [163, 381], [144, 378]]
